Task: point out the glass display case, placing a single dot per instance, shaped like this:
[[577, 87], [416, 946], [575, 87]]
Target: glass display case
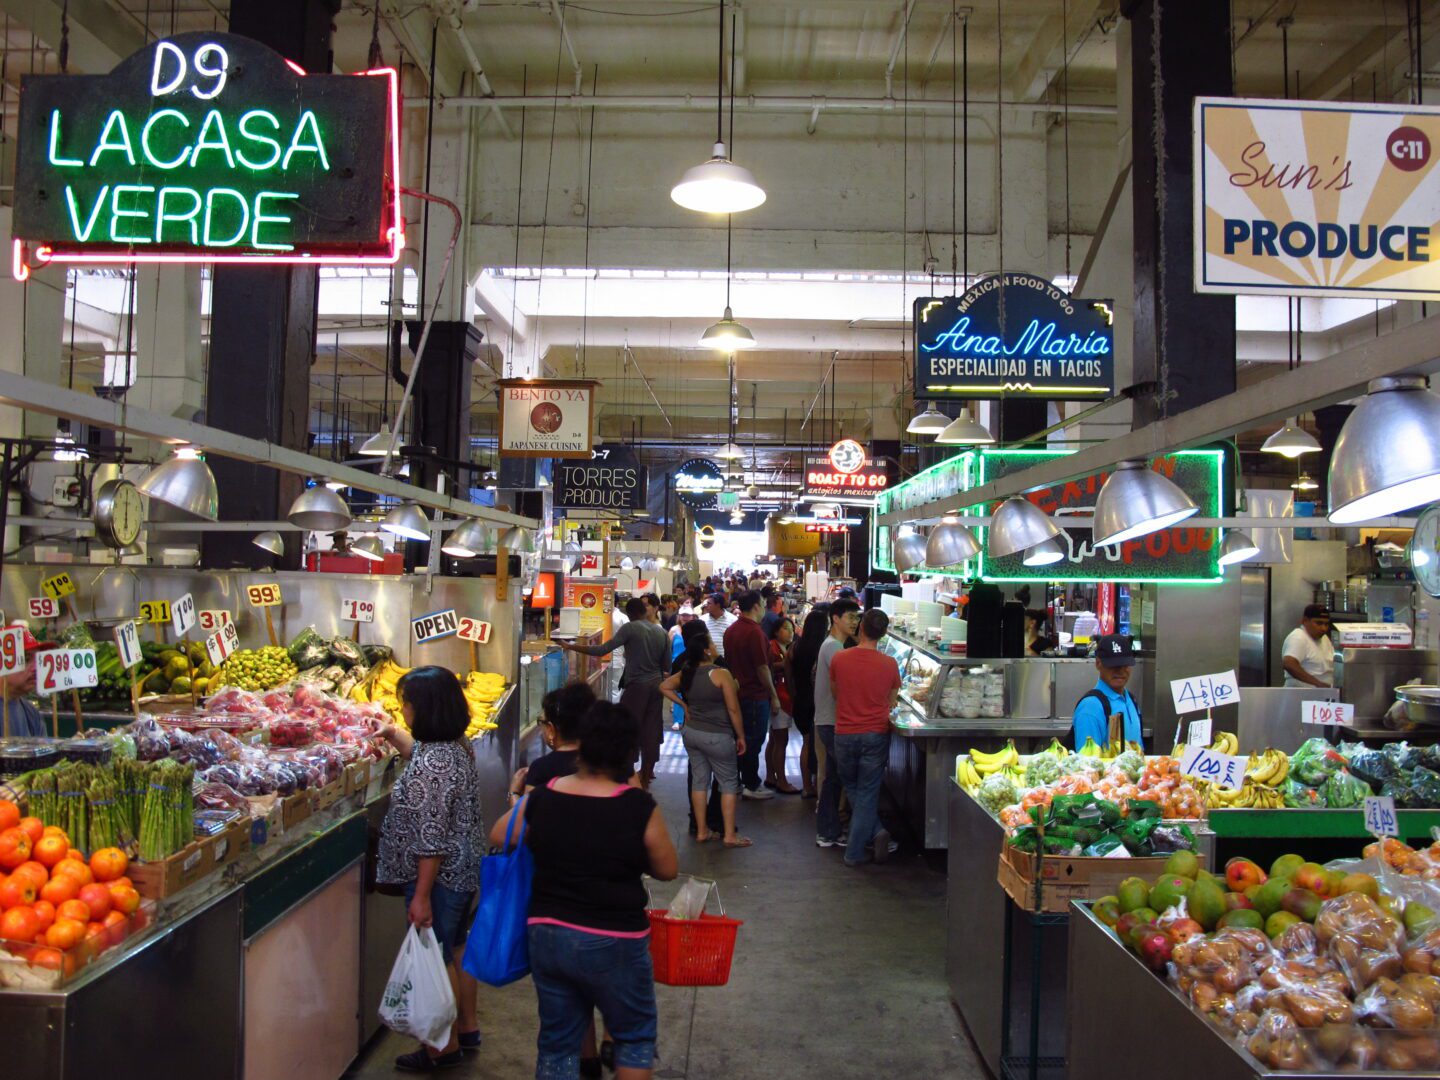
[[943, 686]]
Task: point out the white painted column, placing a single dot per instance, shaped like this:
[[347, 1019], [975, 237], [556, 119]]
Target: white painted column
[[170, 372], [32, 319]]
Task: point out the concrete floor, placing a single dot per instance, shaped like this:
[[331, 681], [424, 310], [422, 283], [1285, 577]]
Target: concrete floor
[[837, 972]]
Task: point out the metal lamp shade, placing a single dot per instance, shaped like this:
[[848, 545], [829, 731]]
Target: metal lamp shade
[[950, 544], [1291, 441], [1136, 501], [929, 421], [1237, 547], [909, 552], [378, 445], [369, 547], [1047, 552], [270, 541], [320, 509], [730, 452], [1017, 526], [727, 335], [469, 540], [185, 483], [518, 540], [1387, 458], [718, 186], [407, 520], [965, 431]]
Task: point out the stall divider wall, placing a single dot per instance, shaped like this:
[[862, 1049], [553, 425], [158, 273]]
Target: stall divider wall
[[1197, 632]]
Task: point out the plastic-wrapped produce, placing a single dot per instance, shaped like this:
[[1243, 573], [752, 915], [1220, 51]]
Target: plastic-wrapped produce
[[1373, 767], [152, 742], [1300, 797], [197, 750], [1315, 762], [1344, 790], [1042, 769], [1131, 763], [1362, 938], [212, 795], [1082, 763], [997, 791]]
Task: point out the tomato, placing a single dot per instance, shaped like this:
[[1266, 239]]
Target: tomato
[[17, 892], [65, 934], [74, 910], [32, 827], [124, 899], [60, 888], [14, 847], [49, 850], [97, 898], [109, 863], [45, 912], [74, 866], [19, 924], [9, 814], [33, 870]]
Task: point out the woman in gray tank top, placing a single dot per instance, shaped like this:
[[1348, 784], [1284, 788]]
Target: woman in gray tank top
[[714, 734]]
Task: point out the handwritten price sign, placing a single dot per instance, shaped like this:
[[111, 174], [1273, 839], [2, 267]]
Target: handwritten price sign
[[267, 595], [213, 620], [155, 611], [1328, 712], [1380, 819], [12, 650], [59, 586], [64, 669], [473, 630], [43, 607], [183, 615], [222, 643], [1205, 692], [1227, 770], [1199, 733], [357, 611], [127, 644]]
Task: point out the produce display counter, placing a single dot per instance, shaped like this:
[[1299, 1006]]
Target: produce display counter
[[1326, 834]]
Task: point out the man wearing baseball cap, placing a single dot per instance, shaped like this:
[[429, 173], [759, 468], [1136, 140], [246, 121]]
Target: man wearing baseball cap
[[1114, 660], [21, 717]]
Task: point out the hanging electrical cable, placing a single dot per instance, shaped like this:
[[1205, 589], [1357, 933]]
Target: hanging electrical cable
[[509, 366]]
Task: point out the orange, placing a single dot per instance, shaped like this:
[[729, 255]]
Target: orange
[[49, 850], [45, 912], [32, 827], [60, 888], [33, 870], [124, 899], [19, 924], [65, 934], [97, 898], [14, 847], [77, 910], [73, 866], [15, 893], [9, 814], [109, 863], [47, 958]]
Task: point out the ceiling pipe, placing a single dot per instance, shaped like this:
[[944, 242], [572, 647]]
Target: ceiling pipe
[[569, 45], [895, 51], [448, 11]]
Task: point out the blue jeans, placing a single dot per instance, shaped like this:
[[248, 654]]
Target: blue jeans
[[755, 717], [827, 805], [448, 911], [862, 770], [575, 973]]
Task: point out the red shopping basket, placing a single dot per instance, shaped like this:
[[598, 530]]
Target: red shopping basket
[[692, 952]]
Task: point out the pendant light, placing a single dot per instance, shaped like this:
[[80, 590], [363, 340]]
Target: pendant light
[[950, 543], [1387, 458], [719, 186], [407, 520], [1047, 552], [378, 445], [1136, 501], [909, 552], [1237, 547], [369, 547], [469, 540], [517, 540], [1018, 526], [727, 335], [270, 541], [963, 431], [320, 509], [184, 482], [1304, 483], [928, 421], [1291, 441], [730, 451]]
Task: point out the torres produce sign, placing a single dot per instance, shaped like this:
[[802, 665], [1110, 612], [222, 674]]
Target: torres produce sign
[[613, 479], [845, 472], [1014, 335], [208, 147], [1316, 198]]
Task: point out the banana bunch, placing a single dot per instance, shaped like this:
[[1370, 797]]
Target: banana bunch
[[1226, 742], [1057, 748], [482, 689], [1249, 796], [382, 687], [985, 764], [967, 775], [1269, 768], [1092, 749]]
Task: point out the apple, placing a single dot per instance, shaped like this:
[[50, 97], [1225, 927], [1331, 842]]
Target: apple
[[1241, 874]]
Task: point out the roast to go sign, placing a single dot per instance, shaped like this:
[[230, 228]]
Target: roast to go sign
[[437, 624], [1316, 198], [208, 145]]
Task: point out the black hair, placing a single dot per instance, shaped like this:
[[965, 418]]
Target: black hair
[[564, 708], [434, 696], [1038, 614], [806, 650], [693, 657], [748, 600], [653, 599], [1316, 611], [841, 607], [634, 608], [768, 593], [609, 741], [717, 597], [874, 623], [783, 620]]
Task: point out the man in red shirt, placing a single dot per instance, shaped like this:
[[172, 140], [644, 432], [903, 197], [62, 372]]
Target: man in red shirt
[[747, 655], [866, 684]]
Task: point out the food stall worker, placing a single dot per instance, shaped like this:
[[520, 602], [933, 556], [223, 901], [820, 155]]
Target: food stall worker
[[1114, 658], [1308, 656], [22, 718]]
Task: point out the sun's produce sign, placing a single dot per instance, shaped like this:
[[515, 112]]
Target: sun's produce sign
[[207, 147], [1316, 198]]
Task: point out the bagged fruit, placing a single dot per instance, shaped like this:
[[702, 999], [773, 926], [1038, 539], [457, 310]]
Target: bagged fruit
[[1388, 1004], [1361, 938], [1278, 1043]]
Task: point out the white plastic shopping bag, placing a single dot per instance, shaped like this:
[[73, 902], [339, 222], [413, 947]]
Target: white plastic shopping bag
[[418, 999]]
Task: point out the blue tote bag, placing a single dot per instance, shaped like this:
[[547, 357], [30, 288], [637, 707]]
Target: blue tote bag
[[497, 951]]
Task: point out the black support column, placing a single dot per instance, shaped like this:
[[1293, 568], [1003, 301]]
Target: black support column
[[1184, 342], [262, 327], [441, 407]]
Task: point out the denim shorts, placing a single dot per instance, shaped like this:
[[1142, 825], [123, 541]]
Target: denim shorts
[[449, 914], [712, 753], [576, 972]]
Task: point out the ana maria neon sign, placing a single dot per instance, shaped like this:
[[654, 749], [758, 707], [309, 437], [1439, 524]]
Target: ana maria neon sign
[[208, 147]]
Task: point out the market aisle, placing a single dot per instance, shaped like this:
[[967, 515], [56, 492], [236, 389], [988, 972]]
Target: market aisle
[[838, 973]]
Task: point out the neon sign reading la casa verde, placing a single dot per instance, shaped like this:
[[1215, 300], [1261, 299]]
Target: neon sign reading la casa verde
[[208, 147]]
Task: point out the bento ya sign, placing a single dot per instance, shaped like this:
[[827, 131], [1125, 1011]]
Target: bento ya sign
[[207, 146]]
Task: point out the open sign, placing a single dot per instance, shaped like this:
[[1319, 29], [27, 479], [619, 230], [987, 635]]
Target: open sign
[[437, 624]]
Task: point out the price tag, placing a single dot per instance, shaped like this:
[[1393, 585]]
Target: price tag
[[1327, 712], [357, 611], [267, 595], [43, 607], [473, 630], [213, 620], [222, 643], [59, 586], [1380, 817], [437, 624], [1205, 692], [12, 650], [155, 611], [127, 644], [1199, 733], [1224, 769], [183, 615], [64, 669]]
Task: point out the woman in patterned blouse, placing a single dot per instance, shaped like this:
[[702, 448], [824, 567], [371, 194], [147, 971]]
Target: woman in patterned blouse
[[433, 837]]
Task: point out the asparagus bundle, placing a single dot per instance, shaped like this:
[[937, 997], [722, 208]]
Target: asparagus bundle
[[44, 803], [75, 812], [104, 814], [167, 819]]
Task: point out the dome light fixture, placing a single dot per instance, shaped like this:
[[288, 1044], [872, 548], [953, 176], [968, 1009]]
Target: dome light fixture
[[928, 421], [407, 520], [370, 548], [467, 541], [909, 551], [950, 543], [1304, 482], [727, 335], [1017, 526], [1237, 547], [517, 540], [1291, 441], [730, 451], [319, 509], [184, 482], [1137, 501], [378, 445], [270, 541], [1387, 458], [1047, 551], [964, 431]]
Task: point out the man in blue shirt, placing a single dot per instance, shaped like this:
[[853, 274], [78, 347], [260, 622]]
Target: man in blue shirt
[[1114, 660]]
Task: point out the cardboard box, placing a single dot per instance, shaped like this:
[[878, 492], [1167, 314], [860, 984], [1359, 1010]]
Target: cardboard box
[[1066, 879], [157, 880], [357, 776], [230, 844], [296, 808], [329, 795]]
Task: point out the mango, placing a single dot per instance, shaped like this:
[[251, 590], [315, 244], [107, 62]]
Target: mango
[[1285, 866], [1169, 890], [1279, 922], [1183, 864], [1361, 883], [1301, 902], [1267, 897], [1248, 918], [1133, 893], [1418, 919], [1107, 910], [1206, 901]]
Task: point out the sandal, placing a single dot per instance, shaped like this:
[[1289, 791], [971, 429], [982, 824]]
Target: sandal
[[739, 841], [421, 1061], [706, 838]]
